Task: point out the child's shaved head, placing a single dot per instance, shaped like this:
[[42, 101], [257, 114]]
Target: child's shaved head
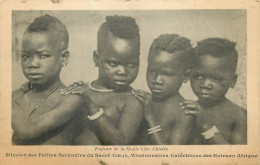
[[52, 25], [174, 43], [218, 47], [123, 27]]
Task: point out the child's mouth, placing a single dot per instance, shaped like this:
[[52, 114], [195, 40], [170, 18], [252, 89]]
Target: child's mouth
[[35, 76], [156, 91], [121, 82], [204, 95]]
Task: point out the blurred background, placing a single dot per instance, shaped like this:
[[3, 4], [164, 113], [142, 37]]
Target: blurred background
[[83, 26]]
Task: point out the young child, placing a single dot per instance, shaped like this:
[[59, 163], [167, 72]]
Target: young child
[[40, 115], [218, 121], [114, 115], [168, 64]]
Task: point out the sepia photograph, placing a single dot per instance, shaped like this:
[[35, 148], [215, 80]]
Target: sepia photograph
[[134, 77], [129, 82]]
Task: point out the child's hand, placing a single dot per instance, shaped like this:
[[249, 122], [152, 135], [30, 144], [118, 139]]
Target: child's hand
[[25, 87], [78, 88], [193, 108], [145, 98]]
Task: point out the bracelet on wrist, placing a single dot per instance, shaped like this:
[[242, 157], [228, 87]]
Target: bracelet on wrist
[[154, 129], [210, 133], [96, 115]]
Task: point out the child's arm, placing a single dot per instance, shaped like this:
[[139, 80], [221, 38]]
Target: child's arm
[[127, 127], [180, 132], [145, 99], [193, 108], [239, 132], [107, 133], [25, 128]]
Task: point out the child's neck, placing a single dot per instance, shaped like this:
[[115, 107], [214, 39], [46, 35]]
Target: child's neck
[[175, 97], [213, 104], [100, 85], [37, 88]]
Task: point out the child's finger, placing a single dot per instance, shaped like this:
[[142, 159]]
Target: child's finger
[[190, 112], [137, 91], [72, 91], [77, 92], [139, 94], [187, 102], [68, 88], [71, 88], [79, 83], [139, 98], [189, 106]]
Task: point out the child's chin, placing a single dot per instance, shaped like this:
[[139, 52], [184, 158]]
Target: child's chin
[[158, 97], [120, 88], [207, 102], [36, 82]]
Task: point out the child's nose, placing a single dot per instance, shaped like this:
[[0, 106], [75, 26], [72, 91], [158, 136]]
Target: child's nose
[[122, 70], [157, 79], [206, 84], [34, 62]]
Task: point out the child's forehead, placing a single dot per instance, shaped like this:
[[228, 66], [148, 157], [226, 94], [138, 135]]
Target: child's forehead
[[42, 36], [121, 46], [165, 57], [39, 41], [209, 62]]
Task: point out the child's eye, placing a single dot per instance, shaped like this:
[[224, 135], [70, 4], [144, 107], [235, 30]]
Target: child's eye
[[168, 74], [25, 56], [199, 77], [220, 80], [44, 56], [132, 65], [113, 63], [151, 71]]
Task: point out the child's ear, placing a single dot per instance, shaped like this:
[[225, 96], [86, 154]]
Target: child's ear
[[233, 81], [186, 76], [95, 57], [65, 56]]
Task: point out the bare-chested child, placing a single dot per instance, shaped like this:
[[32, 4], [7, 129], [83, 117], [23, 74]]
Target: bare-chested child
[[114, 114], [40, 115], [218, 121], [168, 66]]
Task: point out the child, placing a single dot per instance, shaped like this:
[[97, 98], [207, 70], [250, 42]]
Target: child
[[40, 115], [114, 114], [168, 64], [218, 121]]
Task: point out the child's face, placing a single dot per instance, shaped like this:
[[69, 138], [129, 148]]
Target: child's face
[[165, 73], [211, 79], [118, 63], [41, 58]]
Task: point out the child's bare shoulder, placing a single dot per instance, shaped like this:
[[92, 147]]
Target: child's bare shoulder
[[174, 106], [130, 99], [16, 94], [234, 110]]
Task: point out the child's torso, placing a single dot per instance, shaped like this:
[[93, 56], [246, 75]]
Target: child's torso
[[223, 117], [165, 114], [113, 103], [33, 107]]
